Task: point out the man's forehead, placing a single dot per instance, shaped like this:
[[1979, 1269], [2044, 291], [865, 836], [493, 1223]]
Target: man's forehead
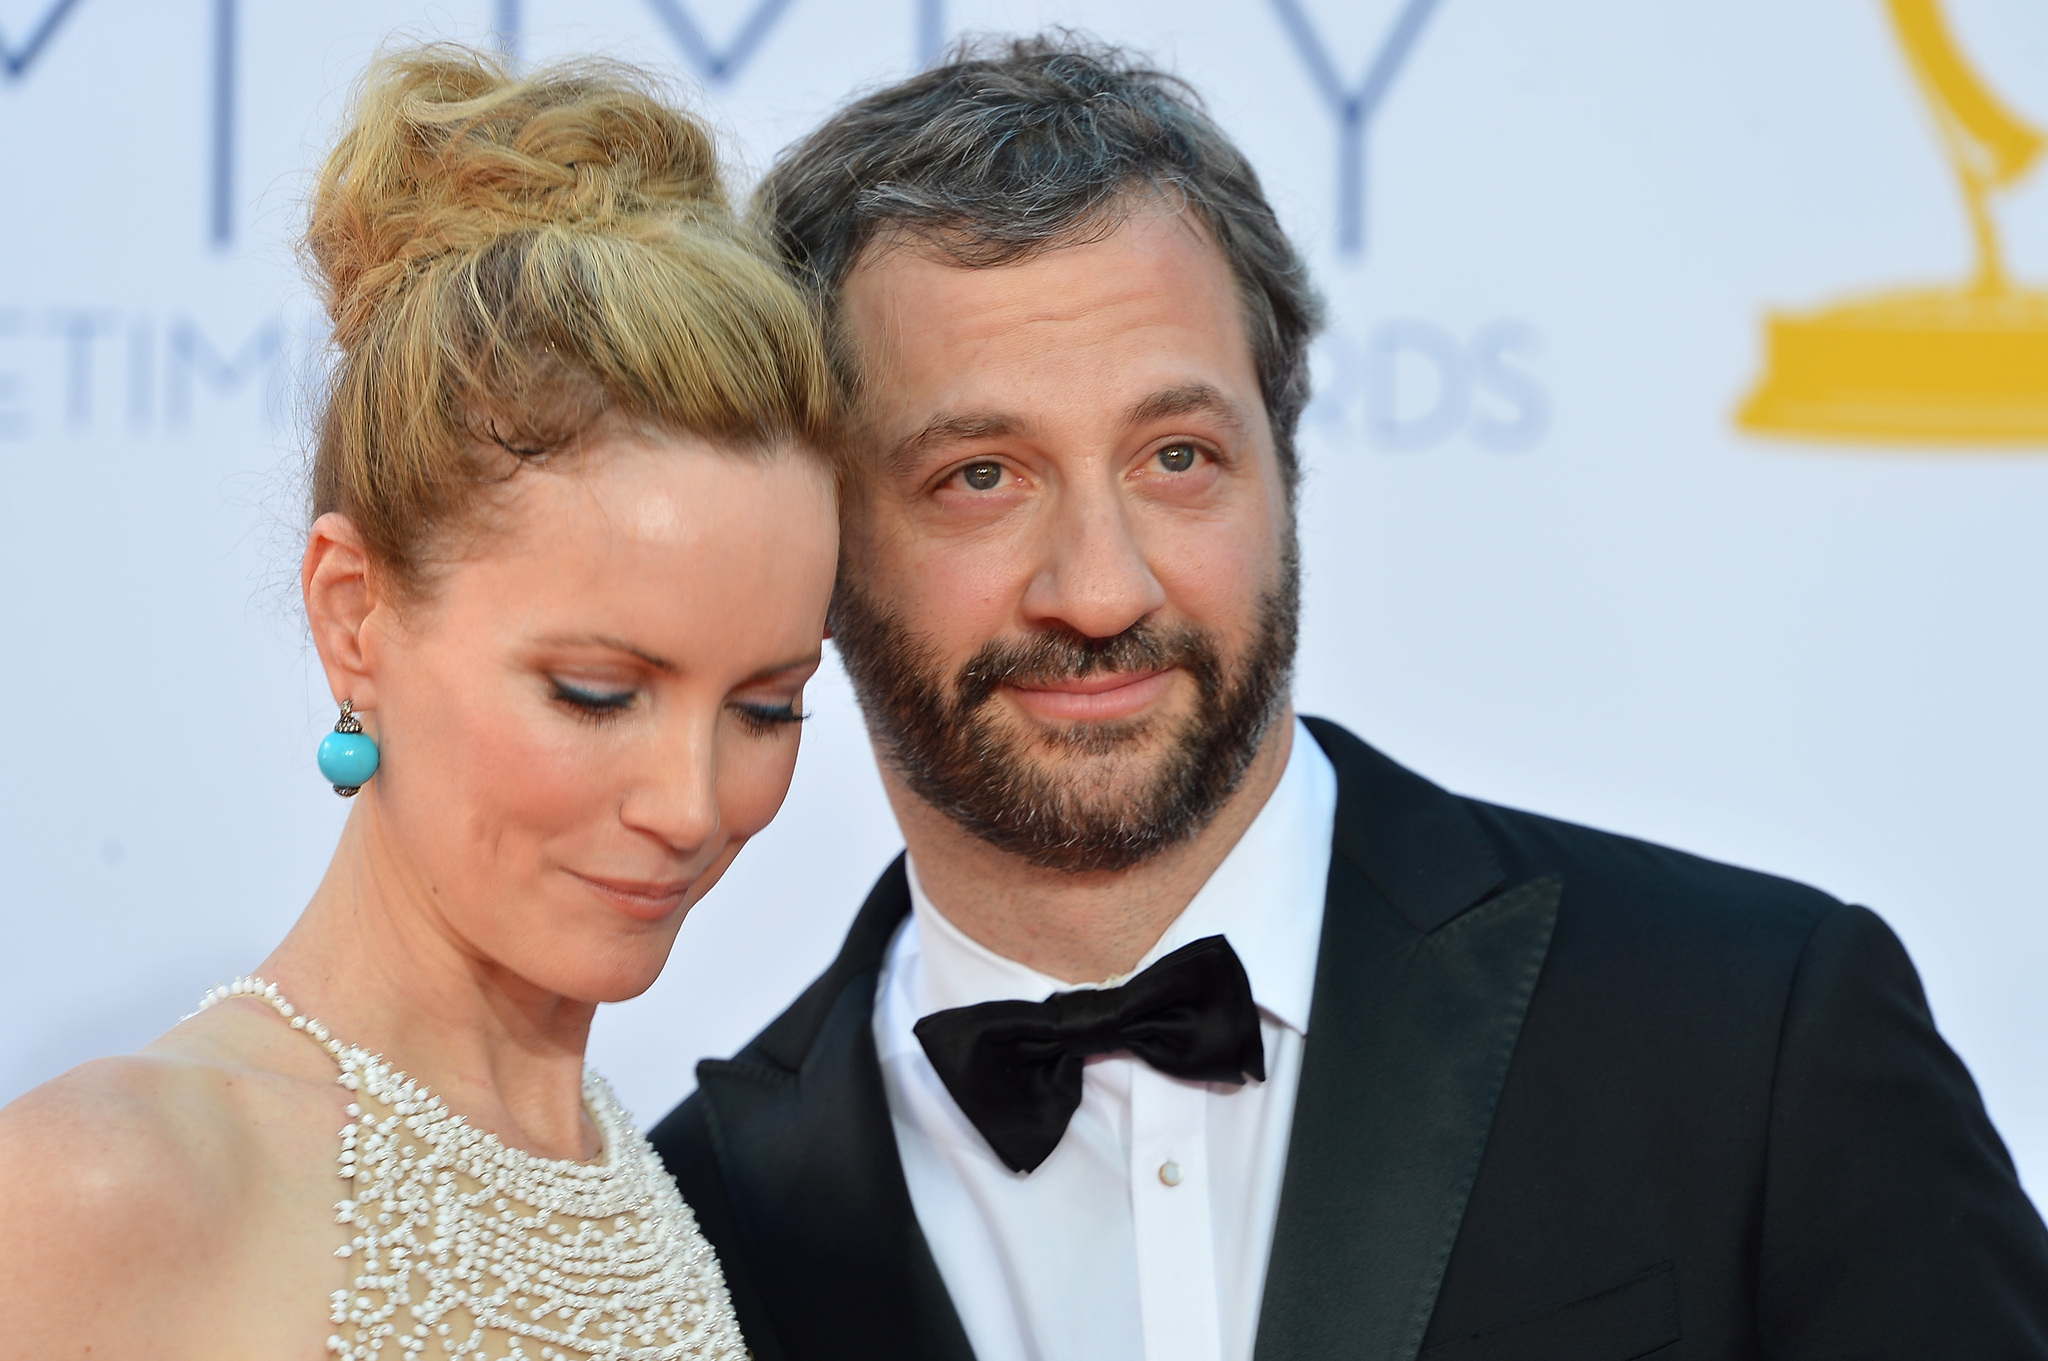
[[1147, 307], [1119, 329], [1146, 252], [963, 246]]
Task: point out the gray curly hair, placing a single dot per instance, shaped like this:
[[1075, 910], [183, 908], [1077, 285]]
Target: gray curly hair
[[1011, 148]]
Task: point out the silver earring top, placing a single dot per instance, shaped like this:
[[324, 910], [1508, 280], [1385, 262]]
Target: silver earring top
[[348, 721]]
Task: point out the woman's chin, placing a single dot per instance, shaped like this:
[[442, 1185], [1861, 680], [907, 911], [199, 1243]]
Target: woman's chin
[[593, 967]]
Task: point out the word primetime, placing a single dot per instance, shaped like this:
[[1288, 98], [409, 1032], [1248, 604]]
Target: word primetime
[[84, 369]]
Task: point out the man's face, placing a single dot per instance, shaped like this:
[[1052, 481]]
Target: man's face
[[1068, 601]]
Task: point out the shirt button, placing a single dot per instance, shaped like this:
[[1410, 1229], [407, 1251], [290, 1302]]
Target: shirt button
[[1169, 1172]]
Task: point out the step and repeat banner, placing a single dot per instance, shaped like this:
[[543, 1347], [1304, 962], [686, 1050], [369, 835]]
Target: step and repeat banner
[[1679, 463]]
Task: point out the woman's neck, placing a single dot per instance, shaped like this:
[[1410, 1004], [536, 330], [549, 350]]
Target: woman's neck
[[374, 960]]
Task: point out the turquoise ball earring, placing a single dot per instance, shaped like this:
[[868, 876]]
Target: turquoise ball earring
[[348, 756]]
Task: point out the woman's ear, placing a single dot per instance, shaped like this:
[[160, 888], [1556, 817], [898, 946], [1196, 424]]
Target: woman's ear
[[341, 592]]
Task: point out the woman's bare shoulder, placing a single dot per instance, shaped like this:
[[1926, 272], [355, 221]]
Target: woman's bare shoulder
[[200, 1102], [111, 1127], [106, 1178], [133, 1172]]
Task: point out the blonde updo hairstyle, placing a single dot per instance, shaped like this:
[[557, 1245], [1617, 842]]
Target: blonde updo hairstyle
[[510, 262]]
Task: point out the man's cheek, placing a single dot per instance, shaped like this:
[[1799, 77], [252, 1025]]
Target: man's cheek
[[1216, 587], [956, 595]]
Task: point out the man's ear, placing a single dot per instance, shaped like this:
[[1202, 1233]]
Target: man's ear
[[340, 587]]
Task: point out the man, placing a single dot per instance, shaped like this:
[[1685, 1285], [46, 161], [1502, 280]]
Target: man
[[1188, 1031]]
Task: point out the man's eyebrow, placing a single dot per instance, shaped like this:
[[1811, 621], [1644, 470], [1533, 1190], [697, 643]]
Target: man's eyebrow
[[944, 430], [1188, 399], [615, 643]]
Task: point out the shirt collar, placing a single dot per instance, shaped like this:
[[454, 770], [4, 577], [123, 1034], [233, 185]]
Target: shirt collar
[[1266, 898]]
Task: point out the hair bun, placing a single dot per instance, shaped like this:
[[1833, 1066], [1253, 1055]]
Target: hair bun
[[509, 261], [447, 152]]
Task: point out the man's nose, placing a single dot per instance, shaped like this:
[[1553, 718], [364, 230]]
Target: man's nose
[[1093, 576]]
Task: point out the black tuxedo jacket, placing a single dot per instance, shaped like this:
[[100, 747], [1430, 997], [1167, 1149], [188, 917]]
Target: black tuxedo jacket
[[1564, 1095]]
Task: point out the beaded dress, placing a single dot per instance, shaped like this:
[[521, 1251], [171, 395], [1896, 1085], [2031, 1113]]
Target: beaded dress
[[462, 1247]]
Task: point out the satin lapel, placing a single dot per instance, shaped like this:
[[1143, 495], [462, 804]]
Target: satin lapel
[[1418, 1003], [809, 1160]]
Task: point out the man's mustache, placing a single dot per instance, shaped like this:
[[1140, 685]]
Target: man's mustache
[[1062, 655]]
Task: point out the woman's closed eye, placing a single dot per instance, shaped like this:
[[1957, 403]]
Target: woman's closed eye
[[761, 717], [592, 702]]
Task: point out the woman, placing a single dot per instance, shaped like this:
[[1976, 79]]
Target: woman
[[567, 578]]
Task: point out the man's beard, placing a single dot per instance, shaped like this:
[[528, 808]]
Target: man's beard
[[965, 760]]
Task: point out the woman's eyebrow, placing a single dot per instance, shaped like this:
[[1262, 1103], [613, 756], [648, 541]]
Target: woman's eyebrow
[[809, 659], [662, 664], [613, 642]]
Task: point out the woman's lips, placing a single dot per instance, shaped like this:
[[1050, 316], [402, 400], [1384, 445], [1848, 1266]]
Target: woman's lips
[[647, 900], [1094, 699]]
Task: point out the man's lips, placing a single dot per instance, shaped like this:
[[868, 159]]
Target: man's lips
[[1093, 699], [647, 900]]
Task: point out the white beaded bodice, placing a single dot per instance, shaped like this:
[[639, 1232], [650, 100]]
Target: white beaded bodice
[[463, 1247]]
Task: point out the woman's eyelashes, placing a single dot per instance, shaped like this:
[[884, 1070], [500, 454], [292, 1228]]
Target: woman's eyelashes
[[766, 718], [599, 705], [596, 704]]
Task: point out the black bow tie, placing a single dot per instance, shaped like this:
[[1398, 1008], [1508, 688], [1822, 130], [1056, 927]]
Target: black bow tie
[[1014, 1068]]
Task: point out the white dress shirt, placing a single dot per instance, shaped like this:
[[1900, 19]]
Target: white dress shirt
[[1145, 1234]]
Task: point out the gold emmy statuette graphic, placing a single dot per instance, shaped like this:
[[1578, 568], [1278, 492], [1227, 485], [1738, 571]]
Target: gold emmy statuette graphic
[[1956, 365]]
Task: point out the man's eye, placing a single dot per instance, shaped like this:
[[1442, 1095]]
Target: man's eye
[[982, 476], [1178, 458]]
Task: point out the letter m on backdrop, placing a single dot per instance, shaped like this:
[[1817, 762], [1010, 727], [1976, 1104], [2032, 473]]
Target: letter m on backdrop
[[716, 67], [15, 61]]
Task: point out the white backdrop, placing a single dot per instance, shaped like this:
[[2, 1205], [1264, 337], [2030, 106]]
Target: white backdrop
[[1543, 565]]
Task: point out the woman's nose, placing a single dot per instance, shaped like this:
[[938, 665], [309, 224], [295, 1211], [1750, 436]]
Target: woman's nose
[[675, 797]]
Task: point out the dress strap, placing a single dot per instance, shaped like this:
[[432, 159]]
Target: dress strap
[[250, 986]]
